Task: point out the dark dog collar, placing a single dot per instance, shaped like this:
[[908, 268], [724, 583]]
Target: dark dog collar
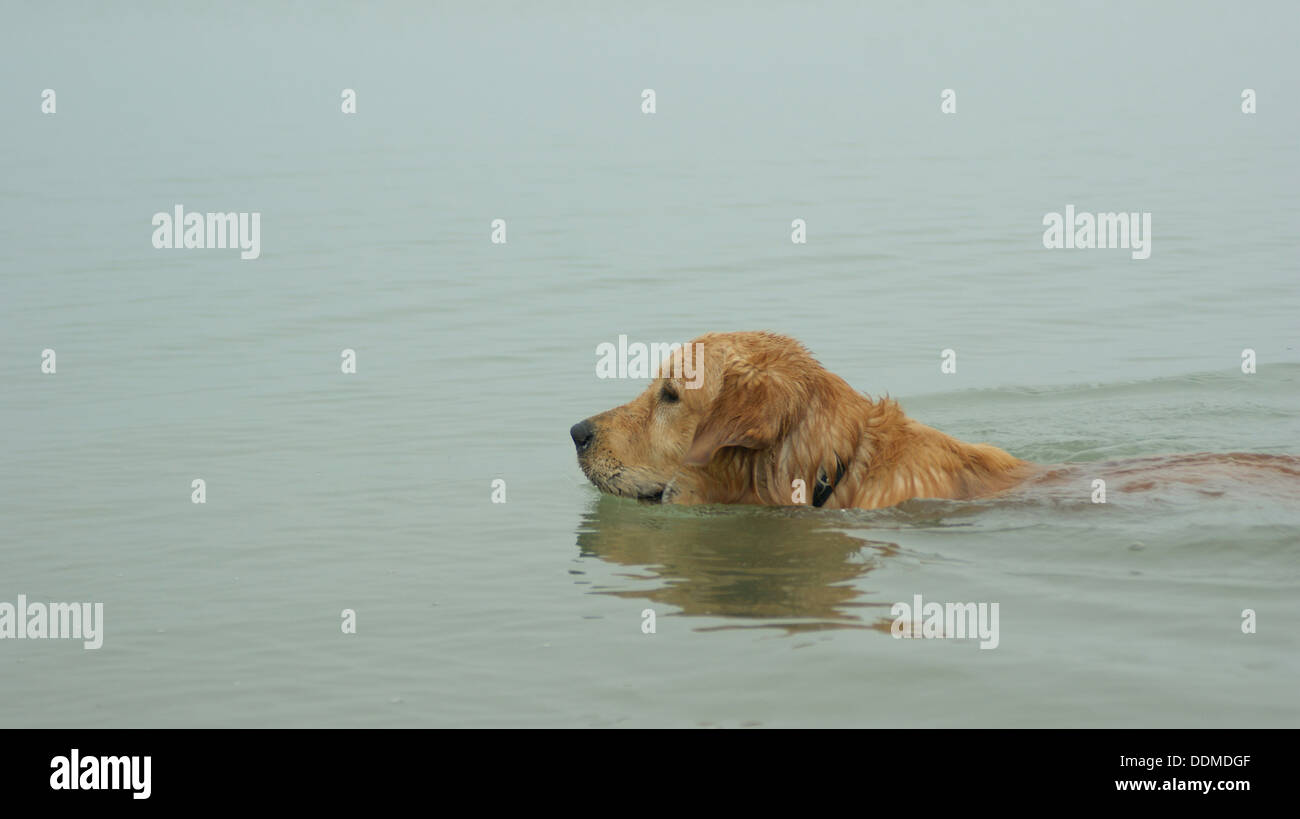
[[825, 489]]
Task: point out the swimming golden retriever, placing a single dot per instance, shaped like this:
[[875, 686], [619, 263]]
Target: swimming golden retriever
[[753, 418], [769, 425]]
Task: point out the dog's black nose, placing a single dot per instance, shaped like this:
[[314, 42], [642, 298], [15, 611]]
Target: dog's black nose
[[582, 434]]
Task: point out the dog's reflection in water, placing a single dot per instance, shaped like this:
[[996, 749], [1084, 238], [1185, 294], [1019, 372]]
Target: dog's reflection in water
[[766, 567]]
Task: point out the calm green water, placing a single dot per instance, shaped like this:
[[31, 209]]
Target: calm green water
[[372, 491]]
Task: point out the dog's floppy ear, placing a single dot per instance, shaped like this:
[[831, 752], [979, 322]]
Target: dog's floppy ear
[[750, 411]]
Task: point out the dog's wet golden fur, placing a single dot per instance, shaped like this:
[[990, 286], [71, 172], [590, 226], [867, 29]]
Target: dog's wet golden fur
[[766, 415]]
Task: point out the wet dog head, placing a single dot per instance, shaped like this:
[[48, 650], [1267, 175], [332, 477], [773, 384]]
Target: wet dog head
[[737, 392]]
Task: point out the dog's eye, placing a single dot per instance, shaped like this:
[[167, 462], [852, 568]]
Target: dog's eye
[[668, 395]]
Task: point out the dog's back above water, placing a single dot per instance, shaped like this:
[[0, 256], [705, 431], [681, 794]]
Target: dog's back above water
[[755, 419]]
